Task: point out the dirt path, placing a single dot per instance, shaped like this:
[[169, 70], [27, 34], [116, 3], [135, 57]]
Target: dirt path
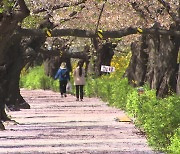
[[62, 125]]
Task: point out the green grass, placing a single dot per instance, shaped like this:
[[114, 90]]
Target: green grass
[[36, 79]]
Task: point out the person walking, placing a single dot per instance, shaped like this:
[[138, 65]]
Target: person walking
[[63, 76], [79, 80]]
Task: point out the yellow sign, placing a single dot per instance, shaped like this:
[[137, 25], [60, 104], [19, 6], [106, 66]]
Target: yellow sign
[[139, 30], [100, 34], [48, 32]]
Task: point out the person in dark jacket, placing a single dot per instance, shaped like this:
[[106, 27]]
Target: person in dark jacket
[[63, 76]]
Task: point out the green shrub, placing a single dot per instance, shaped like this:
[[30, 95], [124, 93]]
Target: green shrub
[[158, 117], [36, 79], [174, 147], [119, 90], [91, 88], [163, 121], [139, 106], [110, 88]]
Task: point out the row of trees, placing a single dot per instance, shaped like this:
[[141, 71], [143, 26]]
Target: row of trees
[[154, 53]]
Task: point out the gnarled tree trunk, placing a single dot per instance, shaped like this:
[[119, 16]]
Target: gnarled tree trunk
[[13, 98], [136, 71], [162, 64], [9, 23], [102, 56], [154, 61]]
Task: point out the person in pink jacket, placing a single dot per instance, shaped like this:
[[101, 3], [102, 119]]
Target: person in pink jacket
[[79, 80]]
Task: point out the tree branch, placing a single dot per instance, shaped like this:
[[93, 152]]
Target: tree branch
[[169, 10], [80, 55], [100, 16], [72, 15], [63, 5], [90, 34], [24, 11]]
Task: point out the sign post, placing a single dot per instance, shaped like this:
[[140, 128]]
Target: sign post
[[107, 69]]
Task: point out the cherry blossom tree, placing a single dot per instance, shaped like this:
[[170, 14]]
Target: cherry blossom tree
[[150, 27]]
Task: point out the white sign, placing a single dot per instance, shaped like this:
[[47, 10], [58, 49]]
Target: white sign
[[107, 68]]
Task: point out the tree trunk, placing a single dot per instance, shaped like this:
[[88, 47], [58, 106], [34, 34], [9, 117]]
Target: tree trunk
[[154, 61], [138, 64], [104, 57], [3, 116], [8, 24], [51, 64], [14, 99], [18, 54], [162, 64]]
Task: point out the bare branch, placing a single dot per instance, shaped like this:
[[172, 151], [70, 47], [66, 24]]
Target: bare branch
[[149, 13], [63, 5], [80, 55], [169, 10], [106, 34], [141, 13], [72, 15], [100, 16]]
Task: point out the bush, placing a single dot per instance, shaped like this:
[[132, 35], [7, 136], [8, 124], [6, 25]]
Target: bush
[[174, 147], [109, 88], [36, 79], [158, 117], [119, 90], [91, 88]]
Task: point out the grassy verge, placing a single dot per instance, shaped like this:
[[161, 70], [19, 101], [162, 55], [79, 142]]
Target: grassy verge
[[35, 78]]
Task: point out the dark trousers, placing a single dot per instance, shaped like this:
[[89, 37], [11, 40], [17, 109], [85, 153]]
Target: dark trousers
[[79, 90], [62, 87]]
